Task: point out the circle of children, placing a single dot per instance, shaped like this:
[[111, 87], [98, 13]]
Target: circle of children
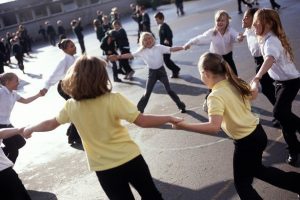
[[115, 157]]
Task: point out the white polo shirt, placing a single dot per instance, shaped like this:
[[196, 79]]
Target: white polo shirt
[[252, 42], [153, 57], [60, 70], [4, 161], [283, 68], [8, 100], [219, 44]]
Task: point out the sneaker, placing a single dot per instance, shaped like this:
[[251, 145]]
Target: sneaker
[[292, 159], [117, 79], [204, 106]]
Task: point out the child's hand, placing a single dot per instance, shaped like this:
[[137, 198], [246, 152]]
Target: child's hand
[[175, 120], [254, 85], [178, 125], [43, 92], [186, 47], [113, 58], [27, 133]]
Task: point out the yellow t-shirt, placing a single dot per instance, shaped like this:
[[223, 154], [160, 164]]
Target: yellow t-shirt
[[238, 120], [106, 142]]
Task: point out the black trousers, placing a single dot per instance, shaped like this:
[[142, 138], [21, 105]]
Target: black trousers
[[274, 4], [247, 164], [286, 92], [115, 182], [11, 187], [124, 63], [12, 144], [266, 82], [82, 46], [72, 132], [170, 64], [153, 76], [228, 58]]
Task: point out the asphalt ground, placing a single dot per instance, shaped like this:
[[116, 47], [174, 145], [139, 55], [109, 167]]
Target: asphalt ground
[[184, 165]]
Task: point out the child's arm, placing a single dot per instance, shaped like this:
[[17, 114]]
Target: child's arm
[[212, 126], [146, 120], [32, 98], [118, 57], [9, 132], [47, 125], [174, 49]]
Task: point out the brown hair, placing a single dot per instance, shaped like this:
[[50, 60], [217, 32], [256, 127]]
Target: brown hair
[[87, 79], [8, 76], [64, 43], [218, 66], [218, 15], [159, 15], [271, 17]]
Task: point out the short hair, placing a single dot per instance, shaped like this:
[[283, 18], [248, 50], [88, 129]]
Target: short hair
[[8, 76], [159, 15], [63, 44], [87, 79]]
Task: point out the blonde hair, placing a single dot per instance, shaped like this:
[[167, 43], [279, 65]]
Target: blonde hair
[[8, 76], [218, 66], [271, 17], [218, 15], [143, 36], [87, 79]]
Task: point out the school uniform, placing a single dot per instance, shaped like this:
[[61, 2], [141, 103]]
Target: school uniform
[[156, 72], [287, 84], [11, 187], [165, 33], [249, 140], [219, 44], [78, 32], [267, 83]]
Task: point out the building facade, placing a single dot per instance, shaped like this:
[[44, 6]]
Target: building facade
[[33, 13]]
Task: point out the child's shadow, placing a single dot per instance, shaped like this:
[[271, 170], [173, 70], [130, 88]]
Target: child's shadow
[[37, 195], [36, 76]]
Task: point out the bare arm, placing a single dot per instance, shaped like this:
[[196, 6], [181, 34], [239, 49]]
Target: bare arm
[[146, 120], [32, 98], [9, 132], [212, 126], [114, 58], [47, 125]]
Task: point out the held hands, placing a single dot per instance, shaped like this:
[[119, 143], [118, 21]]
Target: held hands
[[27, 132], [240, 37], [112, 58], [176, 122], [186, 47], [254, 85], [43, 92]]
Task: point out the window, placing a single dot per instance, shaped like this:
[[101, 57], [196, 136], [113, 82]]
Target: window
[[9, 19], [55, 8], [25, 15], [69, 5], [40, 12], [94, 1], [82, 3]]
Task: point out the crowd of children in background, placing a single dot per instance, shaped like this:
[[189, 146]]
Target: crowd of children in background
[[85, 84]]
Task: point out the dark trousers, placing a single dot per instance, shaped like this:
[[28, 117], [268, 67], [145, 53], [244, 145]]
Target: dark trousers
[[124, 63], [115, 182], [153, 76], [170, 64], [274, 4], [82, 46], [179, 7], [266, 82], [11, 187], [240, 6], [20, 59], [12, 144], [228, 58], [72, 132], [247, 164], [286, 92]]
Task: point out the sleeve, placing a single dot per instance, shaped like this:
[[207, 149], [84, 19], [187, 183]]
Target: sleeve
[[164, 49], [204, 38], [272, 48], [138, 53], [63, 116], [234, 35], [57, 74], [126, 109], [215, 105]]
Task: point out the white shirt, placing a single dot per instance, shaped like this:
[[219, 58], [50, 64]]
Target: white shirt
[[252, 42], [60, 70], [283, 68], [153, 57], [8, 100], [219, 44], [4, 161]]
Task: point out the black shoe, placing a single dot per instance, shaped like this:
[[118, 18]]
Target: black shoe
[[117, 79], [183, 110], [292, 159], [276, 123], [181, 107], [240, 12]]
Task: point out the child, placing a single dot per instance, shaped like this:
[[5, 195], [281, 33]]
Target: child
[[11, 187], [18, 53], [221, 38], [147, 52], [166, 38], [267, 83], [97, 113], [108, 45], [8, 97], [77, 29], [123, 45], [69, 49], [229, 108], [279, 64]]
